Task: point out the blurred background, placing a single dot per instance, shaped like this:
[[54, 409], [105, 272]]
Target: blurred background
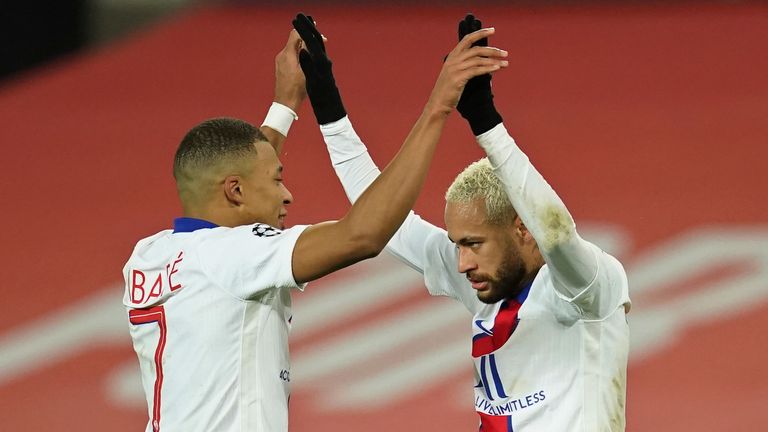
[[650, 119]]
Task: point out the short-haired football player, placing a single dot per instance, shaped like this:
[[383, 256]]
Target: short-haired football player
[[550, 337], [209, 301]]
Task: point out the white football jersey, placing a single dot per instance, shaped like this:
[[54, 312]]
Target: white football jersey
[[210, 310], [552, 359], [553, 366]]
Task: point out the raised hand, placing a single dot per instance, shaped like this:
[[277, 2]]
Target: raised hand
[[321, 86], [290, 85], [476, 102], [465, 62]]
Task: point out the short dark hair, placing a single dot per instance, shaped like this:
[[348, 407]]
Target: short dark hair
[[213, 140]]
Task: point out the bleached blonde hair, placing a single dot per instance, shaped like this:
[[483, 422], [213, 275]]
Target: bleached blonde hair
[[478, 181]]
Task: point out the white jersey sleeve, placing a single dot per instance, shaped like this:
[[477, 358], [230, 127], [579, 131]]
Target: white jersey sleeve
[[583, 275], [423, 246], [249, 259]]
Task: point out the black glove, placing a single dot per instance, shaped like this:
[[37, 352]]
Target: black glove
[[321, 87], [476, 102]]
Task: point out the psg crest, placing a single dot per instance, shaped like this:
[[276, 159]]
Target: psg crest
[[264, 230]]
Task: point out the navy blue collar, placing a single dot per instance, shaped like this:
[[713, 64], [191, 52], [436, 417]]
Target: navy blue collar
[[188, 224], [524, 293]]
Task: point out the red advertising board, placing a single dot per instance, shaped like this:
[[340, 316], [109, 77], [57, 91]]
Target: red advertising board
[[650, 122]]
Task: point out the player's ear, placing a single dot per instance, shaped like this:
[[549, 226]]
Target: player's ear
[[521, 231], [233, 189]]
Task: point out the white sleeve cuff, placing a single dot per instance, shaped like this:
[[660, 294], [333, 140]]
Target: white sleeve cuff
[[337, 127], [342, 141], [498, 144], [280, 117]]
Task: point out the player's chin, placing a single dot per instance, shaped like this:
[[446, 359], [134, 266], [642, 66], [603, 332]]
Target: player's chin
[[490, 295]]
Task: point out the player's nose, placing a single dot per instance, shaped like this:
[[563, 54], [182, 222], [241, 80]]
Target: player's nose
[[466, 263], [287, 196]]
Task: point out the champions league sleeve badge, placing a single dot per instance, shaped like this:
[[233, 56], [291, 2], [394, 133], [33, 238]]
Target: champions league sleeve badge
[[264, 230]]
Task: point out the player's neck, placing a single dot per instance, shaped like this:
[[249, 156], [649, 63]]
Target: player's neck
[[528, 278], [532, 262], [220, 216], [531, 256]]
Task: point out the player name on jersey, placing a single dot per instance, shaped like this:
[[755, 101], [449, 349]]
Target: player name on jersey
[[141, 290]]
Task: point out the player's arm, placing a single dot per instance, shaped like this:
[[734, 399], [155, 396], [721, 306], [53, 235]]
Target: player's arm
[[419, 244], [572, 261], [378, 212], [290, 92], [356, 171]]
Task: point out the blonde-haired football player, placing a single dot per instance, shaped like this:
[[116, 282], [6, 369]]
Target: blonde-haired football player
[[550, 338]]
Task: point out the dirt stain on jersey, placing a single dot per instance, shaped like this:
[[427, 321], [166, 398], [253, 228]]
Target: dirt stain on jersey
[[558, 226], [617, 418]]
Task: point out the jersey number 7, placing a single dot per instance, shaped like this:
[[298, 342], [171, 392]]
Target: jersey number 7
[[147, 316]]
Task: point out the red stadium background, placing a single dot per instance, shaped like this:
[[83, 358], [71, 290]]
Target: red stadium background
[[650, 122]]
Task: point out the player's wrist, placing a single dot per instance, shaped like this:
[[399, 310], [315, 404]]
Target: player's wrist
[[476, 106], [481, 123], [326, 104], [280, 118], [437, 110], [291, 99]]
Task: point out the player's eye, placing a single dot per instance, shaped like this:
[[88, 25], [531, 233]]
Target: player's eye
[[472, 244]]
